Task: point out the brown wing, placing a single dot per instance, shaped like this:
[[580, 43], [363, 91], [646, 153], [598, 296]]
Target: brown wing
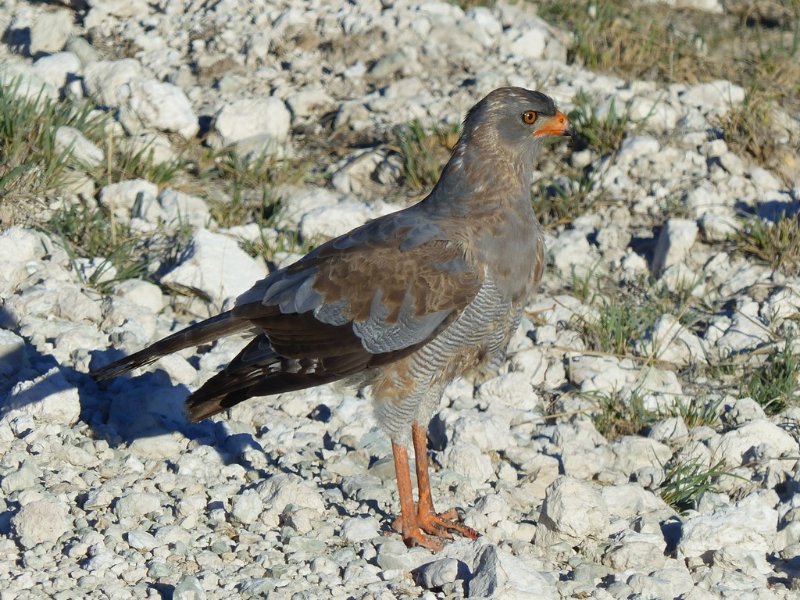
[[339, 311]]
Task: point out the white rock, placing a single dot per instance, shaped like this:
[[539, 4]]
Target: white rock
[[633, 452], [718, 228], [670, 341], [732, 163], [107, 81], [745, 330], [310, 101], [437, 573], [141, 540], [247, 507], [674, 242], [142, 293], [182, 208], [743, 411], [530, 45], [56, 68], [632, 550], [330, 221], [764, 180], [149, 103], [189, 588], [784, 303], [485, 26], [359, 529], [758, 439], [630, 500], [136, 504], [50, 31], [41, 521], [573, 511], [393, 555], [156, 446], [672, 581], [599, 373], [356, 175], [24, 82], [48, 398], [500, 574], [215, 265], [18, 246], [485, 431], [509, 390], [265, 119], [571, 251], [122, 315], [150, 146], [658, 116], [466, 459], [86, 153], [670, 429], [659, 390], [280, 490], [745, 530], [132, 198], [713, 97], [637, 147]]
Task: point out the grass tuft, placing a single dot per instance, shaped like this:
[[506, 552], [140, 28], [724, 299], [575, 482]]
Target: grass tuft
[[628, 312], [424, 152], [685, 483], [618, 417], [777, 244], [87, 232], [600, 133], [775, 385], [30, 165]]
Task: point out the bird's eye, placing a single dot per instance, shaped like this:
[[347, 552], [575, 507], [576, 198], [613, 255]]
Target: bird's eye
[[529, 117]]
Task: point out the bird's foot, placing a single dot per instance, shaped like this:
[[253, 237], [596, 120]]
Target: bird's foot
[[441, 524], [413, 535], [428, 529]]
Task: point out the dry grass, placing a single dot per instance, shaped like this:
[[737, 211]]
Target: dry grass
[[755, 44], [776, 244], [424, 152]]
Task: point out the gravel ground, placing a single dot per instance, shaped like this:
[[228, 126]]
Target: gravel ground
[[108, 492]]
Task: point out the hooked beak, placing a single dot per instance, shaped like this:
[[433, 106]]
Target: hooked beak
[[558, 124]]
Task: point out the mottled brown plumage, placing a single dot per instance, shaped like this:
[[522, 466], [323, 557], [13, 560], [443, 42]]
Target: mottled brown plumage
[[405, 302]]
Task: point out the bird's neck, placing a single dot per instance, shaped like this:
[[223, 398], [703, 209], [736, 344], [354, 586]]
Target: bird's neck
[[481, 178]]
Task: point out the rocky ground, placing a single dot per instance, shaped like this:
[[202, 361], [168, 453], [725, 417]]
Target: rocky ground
[[640, 442]]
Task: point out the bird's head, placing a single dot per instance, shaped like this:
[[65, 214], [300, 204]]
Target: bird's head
[[516, 120]]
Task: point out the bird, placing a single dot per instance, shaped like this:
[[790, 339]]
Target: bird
[[403, 304]]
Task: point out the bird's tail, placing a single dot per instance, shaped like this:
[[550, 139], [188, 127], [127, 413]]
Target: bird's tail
[[195, 335]]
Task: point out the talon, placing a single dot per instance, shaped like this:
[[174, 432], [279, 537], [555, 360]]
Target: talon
[[442, 524]]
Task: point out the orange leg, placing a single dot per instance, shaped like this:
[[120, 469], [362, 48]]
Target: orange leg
[[407, 524], [427, 518]]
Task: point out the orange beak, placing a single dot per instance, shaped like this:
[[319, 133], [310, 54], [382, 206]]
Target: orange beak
[[558, 124]]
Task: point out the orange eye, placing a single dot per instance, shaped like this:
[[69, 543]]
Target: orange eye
[[529, 117]]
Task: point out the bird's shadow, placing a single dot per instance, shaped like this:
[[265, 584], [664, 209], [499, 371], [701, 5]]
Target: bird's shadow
[[120, 410]]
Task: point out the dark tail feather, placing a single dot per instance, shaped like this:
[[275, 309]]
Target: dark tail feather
[[220, 392], [195, 335]]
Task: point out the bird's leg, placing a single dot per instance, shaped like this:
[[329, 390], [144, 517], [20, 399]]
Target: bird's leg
[[407, 524], [427, 518]]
